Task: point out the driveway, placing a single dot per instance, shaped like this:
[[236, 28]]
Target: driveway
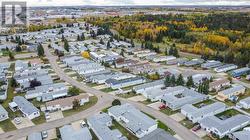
[[76, 125], [25, 122], [138, 98], [155, 105], [55, 116], [178, 117], [51, 134]]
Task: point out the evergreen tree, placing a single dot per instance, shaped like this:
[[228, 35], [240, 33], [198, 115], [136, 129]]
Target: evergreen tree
[[172, 81], [40, 50], [190, 82], [132, 43], [18, 48], [82, 37], [180, 81], [11, 55], [66, 45], [78, 38], [108, 45], [166, 51], [167, 81], [101, 42]]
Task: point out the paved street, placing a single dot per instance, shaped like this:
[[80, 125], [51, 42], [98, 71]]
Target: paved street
[[104, 100]]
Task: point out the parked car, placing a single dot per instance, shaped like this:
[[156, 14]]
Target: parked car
[[162, 106], [196, 128], [47, 116], [83, 124], [17, 120], [44, 134]]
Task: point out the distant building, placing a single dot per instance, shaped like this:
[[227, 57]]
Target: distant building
[[100, 124], [158, 134], [221, 128], [240, 72], [244, 103], [225, 68], [196, 114], [117, 84], [211, 64], [27, 108], [69, 133], [133, 119], [66, 103], [180, 96], [218, 84], [3, 114], [233, 91], [147, 86]]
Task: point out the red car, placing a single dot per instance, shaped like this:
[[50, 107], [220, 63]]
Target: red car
[[196, 128], [162, 106]]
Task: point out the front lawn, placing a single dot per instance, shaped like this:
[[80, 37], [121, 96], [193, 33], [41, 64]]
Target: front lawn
[[169, 111], [124, 131], [7, 125], [92, 102], [187, 123], [228, 113], [127, 95], [107, 90], [165, 127]]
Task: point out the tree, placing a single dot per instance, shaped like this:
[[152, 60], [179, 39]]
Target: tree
[[18, 48], [122, 52], [172, 80], [167, 81], [180, 81], [40, 50], [11, 55], [116, 102], [13, 82], [101, 41], [190, 82], [166, 51], [73, 91], [108, 45], [35, 83], [66, 45], [132, 43], [76, 104]]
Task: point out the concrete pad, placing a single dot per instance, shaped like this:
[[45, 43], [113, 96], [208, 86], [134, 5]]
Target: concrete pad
[[139, 98], [155, 105], [51, 134], [90, 95], [178, 117], [1, 131], [100, 87], [71, 73], [178, 137], [200, 133], [76, 125], [55, 116], [25, 122]]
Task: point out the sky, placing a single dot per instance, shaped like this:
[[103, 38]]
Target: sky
[[131, 2]]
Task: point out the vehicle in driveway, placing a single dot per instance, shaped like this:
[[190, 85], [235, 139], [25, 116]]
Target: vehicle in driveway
[[83, 124], [47, 116], [44, 134], [196, 128], [162, 106], [17, 120]]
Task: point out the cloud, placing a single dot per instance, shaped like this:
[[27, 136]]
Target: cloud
[[132, 2]]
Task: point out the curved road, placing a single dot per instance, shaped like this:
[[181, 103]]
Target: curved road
[[104, 100]]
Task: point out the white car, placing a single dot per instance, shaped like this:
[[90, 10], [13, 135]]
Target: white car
[[17, 120], [83, 124]]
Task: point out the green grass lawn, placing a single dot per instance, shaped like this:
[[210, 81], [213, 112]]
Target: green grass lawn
[[40, 119], [146, 102], [165, 127], [230, 112], [207, 102], [127, 95], [187, 123], [91, 84], [107, 90], [7, 125], [169, 111], [124, 131], [92, 102]]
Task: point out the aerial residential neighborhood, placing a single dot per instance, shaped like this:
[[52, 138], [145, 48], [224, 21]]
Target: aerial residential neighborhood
[[126, 70]]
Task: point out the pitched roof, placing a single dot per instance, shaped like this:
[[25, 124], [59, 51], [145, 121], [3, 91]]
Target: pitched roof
[[158, 134], [26, 106], [69, 133]]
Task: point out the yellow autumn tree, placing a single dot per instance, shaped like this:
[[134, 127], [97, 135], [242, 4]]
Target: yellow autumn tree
[[85, 54]]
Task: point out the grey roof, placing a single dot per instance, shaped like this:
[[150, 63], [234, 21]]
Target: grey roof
[[226, 66], [246, 100], [116, 82], [22, 64], [211, 64], [187, 96], [99, 124], [150, 84], [47, 88], [245, 69], [158, 134], [233, 89], [2, 110], [242, 135], [25, 105], [35, 136], [137, 121], [199, 112], [69, 133], [224, 125]]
